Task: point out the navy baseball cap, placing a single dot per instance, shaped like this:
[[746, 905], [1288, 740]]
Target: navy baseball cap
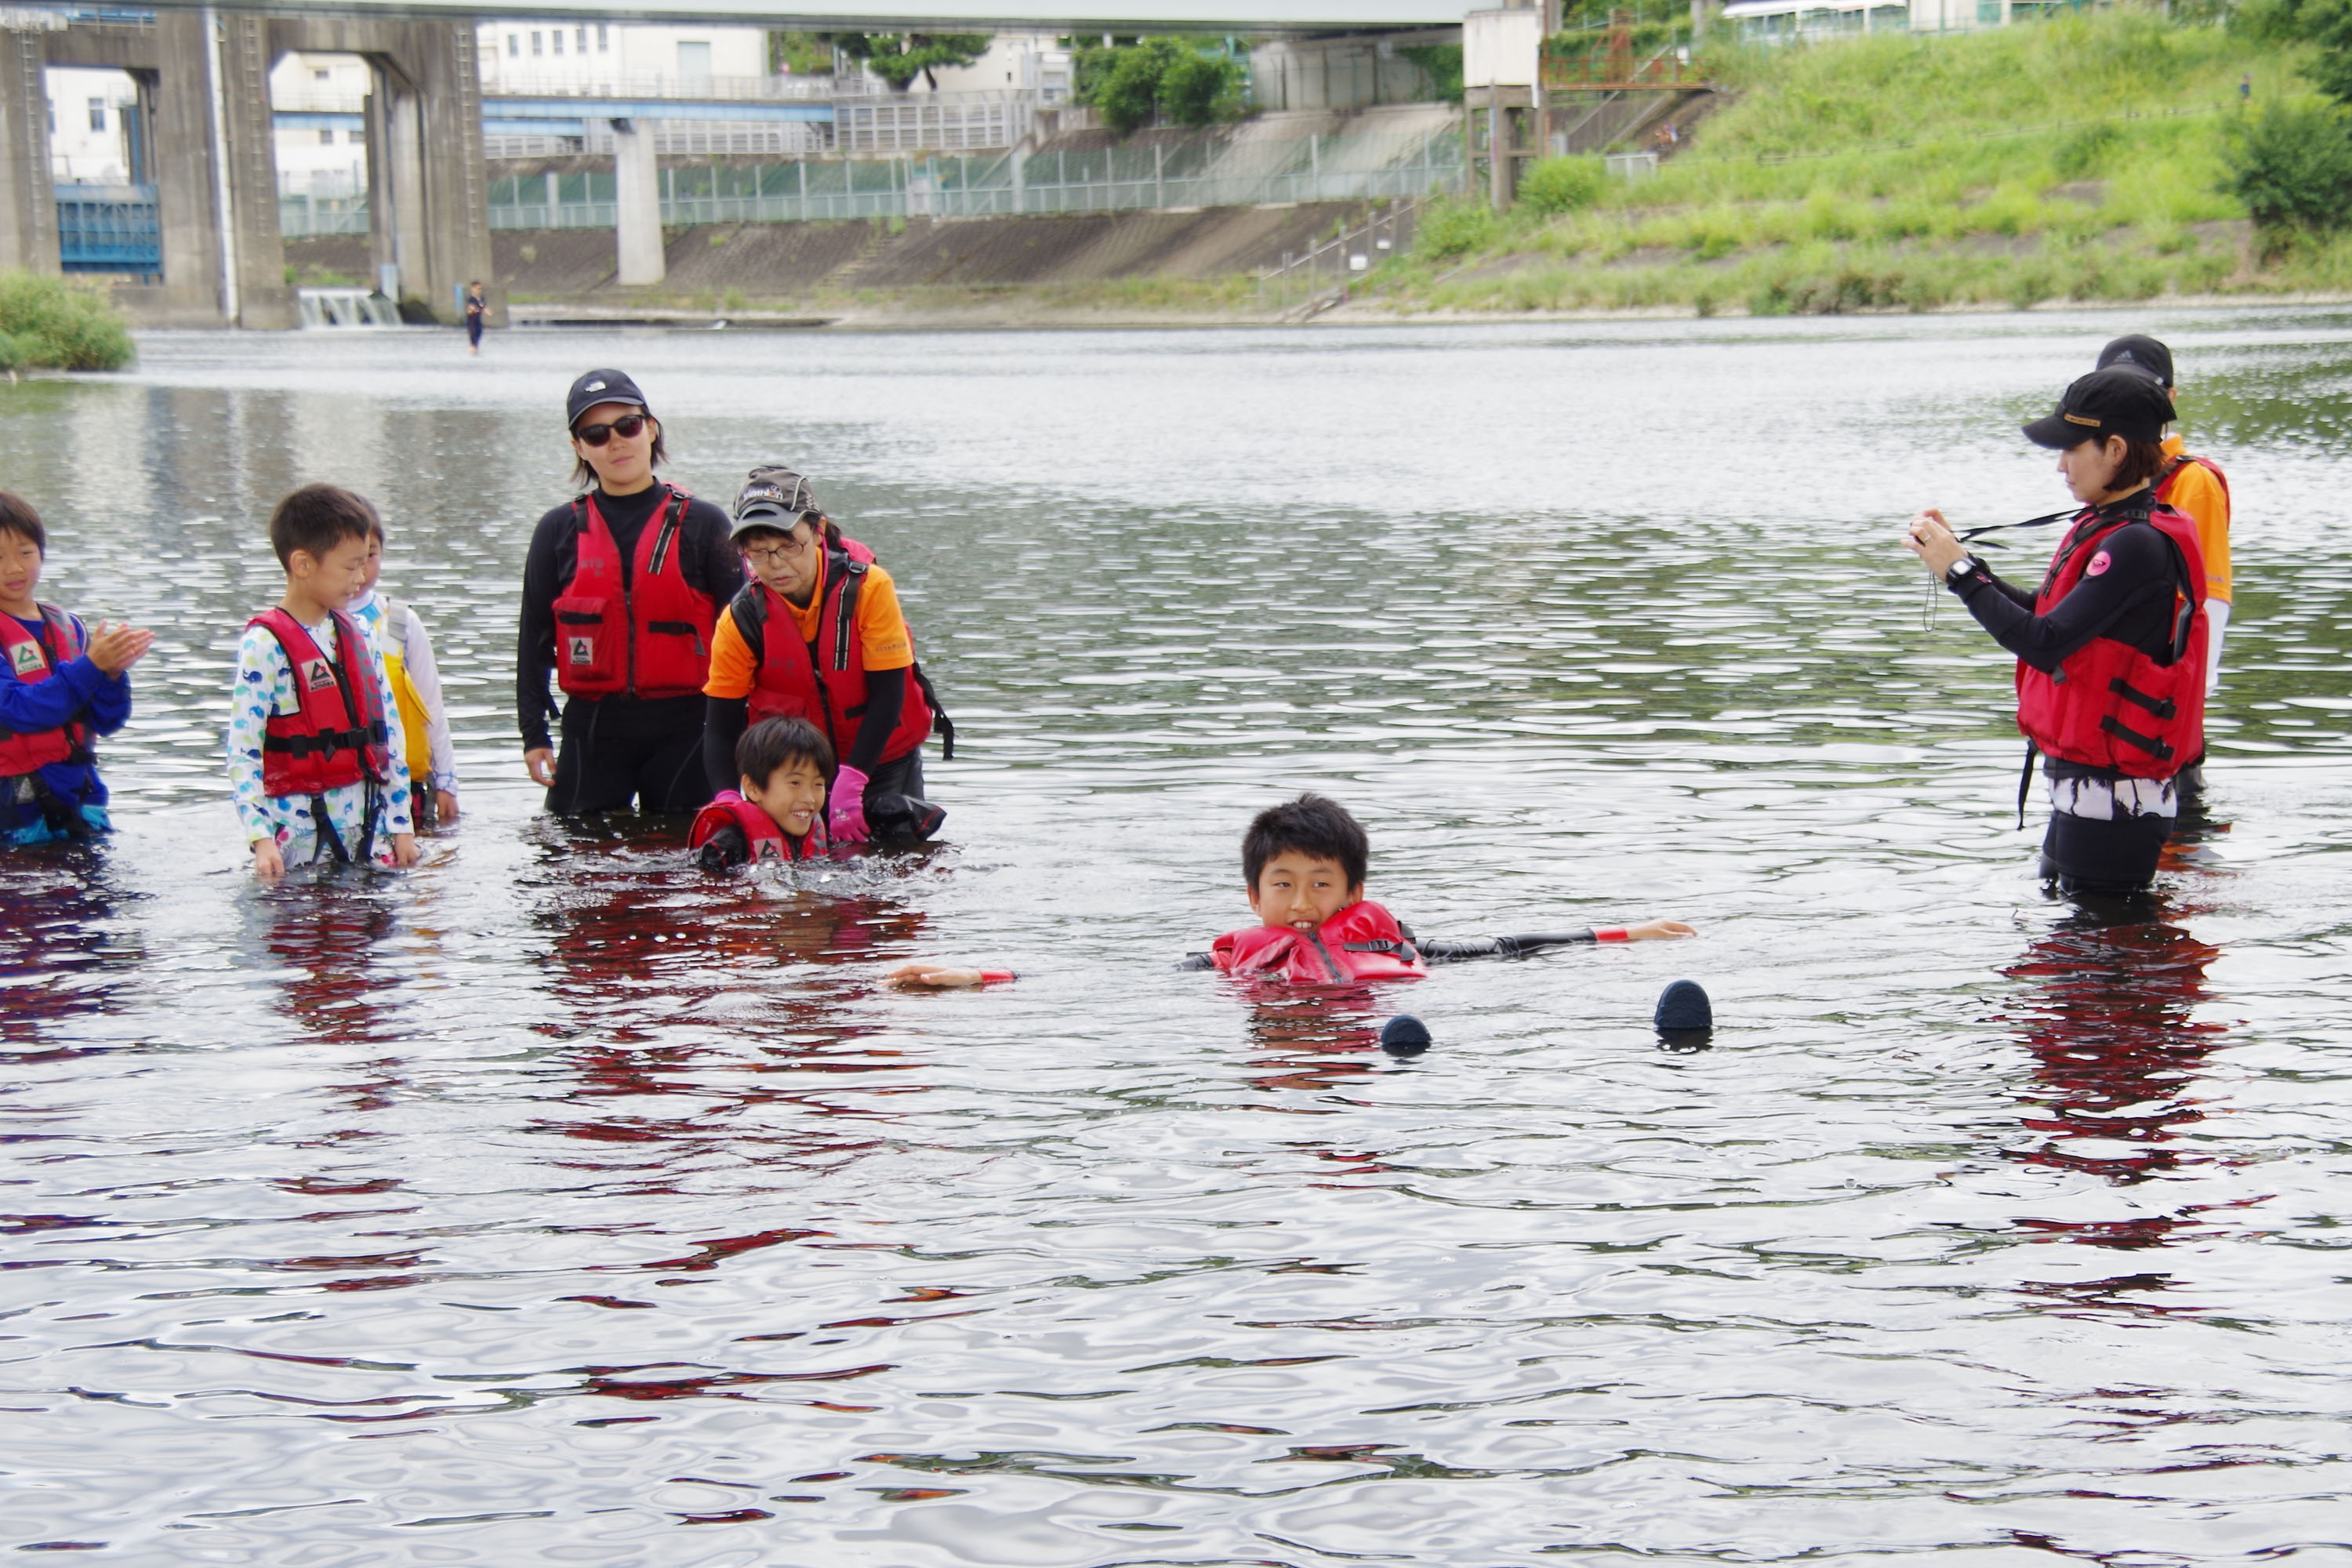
[[2140, 352], [598, 387], [2122, 400]]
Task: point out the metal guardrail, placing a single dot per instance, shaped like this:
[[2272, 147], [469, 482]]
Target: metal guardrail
[[1116, 179], [1325, 272], [663, 84]]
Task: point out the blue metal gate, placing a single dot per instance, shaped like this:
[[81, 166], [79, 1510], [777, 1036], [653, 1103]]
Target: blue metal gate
[[109, 229]]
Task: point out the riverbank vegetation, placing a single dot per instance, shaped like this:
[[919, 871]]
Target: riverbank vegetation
[[58, 324], [2097, 156]]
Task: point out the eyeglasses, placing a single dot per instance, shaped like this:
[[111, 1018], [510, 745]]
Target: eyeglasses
[[776, 554], [628, 428]]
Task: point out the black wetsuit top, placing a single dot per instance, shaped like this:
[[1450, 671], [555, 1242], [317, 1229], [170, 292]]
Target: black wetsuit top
[[706, 556]]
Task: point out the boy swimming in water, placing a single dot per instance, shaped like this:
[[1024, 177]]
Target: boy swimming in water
[[783, 769], [1302, 865]]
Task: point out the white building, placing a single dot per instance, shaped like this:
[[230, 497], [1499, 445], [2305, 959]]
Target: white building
[[1785, 21], [1015, 62], [541, 56], [322, 139], [91, 126]]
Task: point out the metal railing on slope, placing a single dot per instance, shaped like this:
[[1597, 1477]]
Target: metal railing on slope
[[1324, 273]]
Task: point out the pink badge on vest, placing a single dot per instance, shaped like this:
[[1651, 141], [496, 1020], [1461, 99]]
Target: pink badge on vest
[[2099, 563]]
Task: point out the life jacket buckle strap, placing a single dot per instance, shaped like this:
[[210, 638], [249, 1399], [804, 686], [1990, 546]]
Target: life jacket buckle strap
[[2160, 750], [2162, 707]]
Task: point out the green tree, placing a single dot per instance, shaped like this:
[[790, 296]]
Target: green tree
[[1175, 80], [899, 57], [2292, 167]]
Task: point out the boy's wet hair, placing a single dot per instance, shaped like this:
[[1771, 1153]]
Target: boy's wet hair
[[17, 517], [316, 519], [1312, 825], [773, 744]]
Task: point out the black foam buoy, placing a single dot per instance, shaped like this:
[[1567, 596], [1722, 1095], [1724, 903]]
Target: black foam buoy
[[1404, 1035], [1682, 1007]]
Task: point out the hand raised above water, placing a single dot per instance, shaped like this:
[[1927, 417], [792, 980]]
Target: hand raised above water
[[115, 647]]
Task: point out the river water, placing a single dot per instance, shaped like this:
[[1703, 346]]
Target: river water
[[555, 1204]]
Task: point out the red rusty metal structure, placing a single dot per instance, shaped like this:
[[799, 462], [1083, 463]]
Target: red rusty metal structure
[[1611, 66]]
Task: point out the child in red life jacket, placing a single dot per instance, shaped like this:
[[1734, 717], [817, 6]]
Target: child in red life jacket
[[59, 685], [316, 757], [1303, 863], [784, 768]]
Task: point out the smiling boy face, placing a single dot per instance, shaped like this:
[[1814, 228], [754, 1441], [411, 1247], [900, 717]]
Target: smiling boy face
[[792, 797], [1300, 891]]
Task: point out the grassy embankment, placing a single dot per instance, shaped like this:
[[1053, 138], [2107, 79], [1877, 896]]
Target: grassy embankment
[[2080, 158]]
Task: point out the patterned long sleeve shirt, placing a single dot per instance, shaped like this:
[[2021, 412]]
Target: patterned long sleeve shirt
[[264, 686]]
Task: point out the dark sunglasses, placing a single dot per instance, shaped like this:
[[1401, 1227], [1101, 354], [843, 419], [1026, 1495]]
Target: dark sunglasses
[[628, 428]]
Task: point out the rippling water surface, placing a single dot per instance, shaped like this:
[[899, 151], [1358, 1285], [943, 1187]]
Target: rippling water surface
[[555, 1204]]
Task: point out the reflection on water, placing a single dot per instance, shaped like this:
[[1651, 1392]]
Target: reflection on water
[[558, 1202]]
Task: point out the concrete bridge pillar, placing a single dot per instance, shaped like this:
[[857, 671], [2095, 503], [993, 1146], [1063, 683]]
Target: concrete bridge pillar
[[263, 299], [29, 204], [637, 182], [428, 197]]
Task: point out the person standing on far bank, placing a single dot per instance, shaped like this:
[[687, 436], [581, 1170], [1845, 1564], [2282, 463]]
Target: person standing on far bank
[[476, 309], [620, 592], [2110, 648]]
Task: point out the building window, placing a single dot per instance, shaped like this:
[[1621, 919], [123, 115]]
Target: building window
[[323, 76], [98, 114], [580, 42], [327, 137], [537, 47], [556, 38], [514, 46], [604, 40]]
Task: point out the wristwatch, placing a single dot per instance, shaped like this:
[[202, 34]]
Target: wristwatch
[[1964, 567]]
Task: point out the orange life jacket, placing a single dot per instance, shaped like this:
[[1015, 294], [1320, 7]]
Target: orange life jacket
[[338, 736], [647, 635], [32, 659], [824, 681], [1362, 942]]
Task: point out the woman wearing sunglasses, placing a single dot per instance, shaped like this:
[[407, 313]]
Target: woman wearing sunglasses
[[619, 594]]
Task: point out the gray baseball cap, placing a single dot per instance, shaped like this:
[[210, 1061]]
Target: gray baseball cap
[[774, 497]]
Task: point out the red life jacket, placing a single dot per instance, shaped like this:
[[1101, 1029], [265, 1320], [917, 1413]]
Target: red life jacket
[[823, 680], [339, 736], [650, 636], [768, 841], [2110, 705], [33, 660], [1362, 942]]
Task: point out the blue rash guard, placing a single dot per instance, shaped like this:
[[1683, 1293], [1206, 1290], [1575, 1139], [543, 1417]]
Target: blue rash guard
[[76, 689]]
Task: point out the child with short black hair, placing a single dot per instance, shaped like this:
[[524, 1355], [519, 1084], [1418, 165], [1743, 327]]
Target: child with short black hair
[[316, 757], [783, 769], [60, 684], [1303, 864], [416, 680]]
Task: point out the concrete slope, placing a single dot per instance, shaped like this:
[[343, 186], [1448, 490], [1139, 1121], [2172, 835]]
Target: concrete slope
[[775, 261]]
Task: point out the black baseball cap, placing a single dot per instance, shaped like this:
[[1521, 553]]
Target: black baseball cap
[[2140, 352], [2119, 401], [597, 386], [774, 497]]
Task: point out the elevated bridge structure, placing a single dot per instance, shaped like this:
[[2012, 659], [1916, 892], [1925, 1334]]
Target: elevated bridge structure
[[205, 152]]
